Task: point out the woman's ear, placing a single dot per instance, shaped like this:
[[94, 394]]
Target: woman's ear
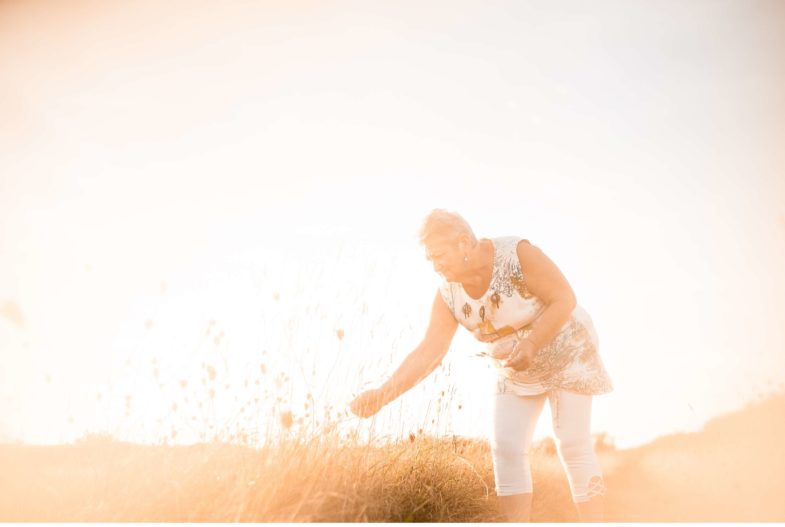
[[464, 244]]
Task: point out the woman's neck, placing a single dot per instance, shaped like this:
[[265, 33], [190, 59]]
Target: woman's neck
[[477, 278]]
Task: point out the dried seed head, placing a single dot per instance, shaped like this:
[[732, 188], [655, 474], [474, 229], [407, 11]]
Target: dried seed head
[[287, 420]]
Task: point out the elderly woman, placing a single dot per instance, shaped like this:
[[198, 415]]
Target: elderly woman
[[512, 297]]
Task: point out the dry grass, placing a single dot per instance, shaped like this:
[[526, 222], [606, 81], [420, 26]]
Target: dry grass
[[318, 480], [733, 470]]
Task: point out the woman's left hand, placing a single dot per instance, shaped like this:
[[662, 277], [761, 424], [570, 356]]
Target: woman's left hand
[[367, 403], [522, 355]]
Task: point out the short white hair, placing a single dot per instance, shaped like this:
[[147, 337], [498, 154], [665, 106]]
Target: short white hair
[[444, 226]]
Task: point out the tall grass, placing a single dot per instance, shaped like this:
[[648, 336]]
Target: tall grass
[[733, 470], [316, 479]]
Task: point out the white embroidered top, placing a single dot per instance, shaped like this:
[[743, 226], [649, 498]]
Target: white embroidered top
[[504, 313]]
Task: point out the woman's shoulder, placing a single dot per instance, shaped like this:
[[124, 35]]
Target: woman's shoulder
[[514, 240], [508, 245]]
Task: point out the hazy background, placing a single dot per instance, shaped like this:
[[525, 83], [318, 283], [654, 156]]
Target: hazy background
[[187, 185]]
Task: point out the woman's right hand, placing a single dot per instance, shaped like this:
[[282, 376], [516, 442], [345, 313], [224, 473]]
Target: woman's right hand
[[367, 403]]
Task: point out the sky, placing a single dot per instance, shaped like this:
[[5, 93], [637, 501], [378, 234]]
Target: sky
[[187, 186]]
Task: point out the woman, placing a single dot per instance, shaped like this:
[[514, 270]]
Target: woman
[[514, 299]]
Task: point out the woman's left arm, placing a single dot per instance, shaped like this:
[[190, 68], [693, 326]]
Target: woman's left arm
[[545, 281]]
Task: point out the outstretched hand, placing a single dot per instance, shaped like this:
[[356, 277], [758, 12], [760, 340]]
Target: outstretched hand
[[367, 403]]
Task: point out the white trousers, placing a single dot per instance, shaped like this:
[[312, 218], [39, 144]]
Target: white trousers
[[514, 420]]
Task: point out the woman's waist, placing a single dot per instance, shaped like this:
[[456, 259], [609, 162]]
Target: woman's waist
[[499, 346]]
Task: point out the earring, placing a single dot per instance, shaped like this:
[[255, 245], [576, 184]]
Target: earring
[[466, 258]]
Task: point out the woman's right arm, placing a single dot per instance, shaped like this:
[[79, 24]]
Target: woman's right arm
[[417, 365]]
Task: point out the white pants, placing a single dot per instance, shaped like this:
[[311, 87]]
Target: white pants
[[514, 419]]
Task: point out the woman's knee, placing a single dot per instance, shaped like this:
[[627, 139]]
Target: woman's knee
[[509, 449], [576, 447]]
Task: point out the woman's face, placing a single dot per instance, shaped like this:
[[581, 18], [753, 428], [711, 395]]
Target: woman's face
[[447, 259]]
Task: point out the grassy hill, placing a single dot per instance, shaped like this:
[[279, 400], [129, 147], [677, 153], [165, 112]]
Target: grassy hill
[[732, 470]]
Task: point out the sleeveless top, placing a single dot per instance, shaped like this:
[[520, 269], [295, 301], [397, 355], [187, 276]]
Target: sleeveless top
[[504, 313]]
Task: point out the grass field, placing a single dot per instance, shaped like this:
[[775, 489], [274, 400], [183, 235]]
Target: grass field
[[732, 470]]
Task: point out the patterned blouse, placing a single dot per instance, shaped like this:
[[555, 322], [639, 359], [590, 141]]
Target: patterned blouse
[[504, 314]]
